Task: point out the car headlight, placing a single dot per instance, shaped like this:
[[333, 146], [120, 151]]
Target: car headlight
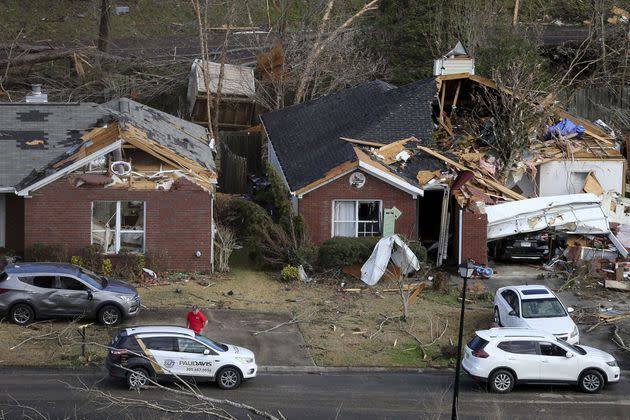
[[575, 331], [613, 363], [126, 298], [246, 360]]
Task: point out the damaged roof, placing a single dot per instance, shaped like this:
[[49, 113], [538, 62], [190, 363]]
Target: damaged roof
[[32, 135], [306, 137], [36, 138]]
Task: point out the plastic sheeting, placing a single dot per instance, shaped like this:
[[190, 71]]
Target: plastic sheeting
[[564, 128], [390, 247]]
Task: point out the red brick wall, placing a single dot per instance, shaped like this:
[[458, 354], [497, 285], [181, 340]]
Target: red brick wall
[[474, 236], [178, 222], [316, 206], [14, 222]]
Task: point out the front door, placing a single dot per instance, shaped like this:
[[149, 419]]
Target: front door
[[71, 297], [193, 361], [555, 365]]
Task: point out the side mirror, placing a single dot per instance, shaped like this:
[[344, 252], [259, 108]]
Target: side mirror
[[569, 355], [90, 296], [206, 352], [570, 309], [512, 313]]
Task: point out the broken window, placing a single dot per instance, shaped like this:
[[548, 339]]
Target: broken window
[[356, 218], [118, 225]]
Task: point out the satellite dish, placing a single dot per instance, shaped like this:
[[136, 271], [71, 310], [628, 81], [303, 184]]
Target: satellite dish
[[357, 179]]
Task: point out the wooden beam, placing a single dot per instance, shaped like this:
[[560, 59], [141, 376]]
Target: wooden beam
[[442, 103], [363, 142], [459, 85]]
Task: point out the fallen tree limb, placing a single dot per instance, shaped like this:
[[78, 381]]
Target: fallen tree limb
[[40, 57]]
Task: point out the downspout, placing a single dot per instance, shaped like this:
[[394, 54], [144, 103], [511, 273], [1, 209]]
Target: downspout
[[460, 229], [212, 232]]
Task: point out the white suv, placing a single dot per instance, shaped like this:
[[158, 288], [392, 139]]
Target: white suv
[[534, 307], [505, 356], [159, 352]]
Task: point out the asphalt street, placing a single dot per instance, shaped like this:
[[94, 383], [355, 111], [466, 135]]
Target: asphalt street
[[374, 395]]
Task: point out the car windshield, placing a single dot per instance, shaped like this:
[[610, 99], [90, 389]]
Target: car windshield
[[542, 308], [211, 343], [576, 349], [93, 279]]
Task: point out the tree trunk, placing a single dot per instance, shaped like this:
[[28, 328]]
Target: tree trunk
[[103, 30]]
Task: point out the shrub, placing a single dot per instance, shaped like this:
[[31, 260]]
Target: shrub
[[46, 253], [107, 267], [77, 260], [156, 260], [340, 251], [290, 273], [419, 250], [125, 265], [440, 282], [92, 257]]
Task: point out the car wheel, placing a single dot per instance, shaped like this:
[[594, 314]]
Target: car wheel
[[22, 314], [591, 381], [137, 378], [110, 315], [501, 381], [497, 317], [229, 378]]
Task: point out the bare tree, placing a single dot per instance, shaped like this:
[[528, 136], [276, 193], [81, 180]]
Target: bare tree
[[105, 26]]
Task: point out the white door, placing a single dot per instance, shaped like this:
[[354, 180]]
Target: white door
[[555, 365], [3, 220], [522, 356], [193, 361]]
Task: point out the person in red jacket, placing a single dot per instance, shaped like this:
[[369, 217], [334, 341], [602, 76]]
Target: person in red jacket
[[196, 320]]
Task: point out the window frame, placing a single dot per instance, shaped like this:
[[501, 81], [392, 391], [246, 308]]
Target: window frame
[[117, 230], [356, 215]]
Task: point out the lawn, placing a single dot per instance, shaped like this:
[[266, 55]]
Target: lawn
[[340, 328]]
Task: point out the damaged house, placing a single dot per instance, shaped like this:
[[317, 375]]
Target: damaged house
[[122, 176], [352, 157]]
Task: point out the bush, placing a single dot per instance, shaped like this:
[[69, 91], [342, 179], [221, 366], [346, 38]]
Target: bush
[[156, 260], [125, 265], [340, 251], [77, 260], [419, 250], [440, 282], [46, 253], [107, 267], [92, 257], [290, 273]]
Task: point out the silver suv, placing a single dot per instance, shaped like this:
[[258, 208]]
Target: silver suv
[[40, 290]]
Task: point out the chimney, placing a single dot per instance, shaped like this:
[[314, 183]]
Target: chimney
[[36, 96]]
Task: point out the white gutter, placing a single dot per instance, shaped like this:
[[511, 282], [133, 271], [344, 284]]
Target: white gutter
[[461, 224], [76, 165], [390, 179], [7, 190]]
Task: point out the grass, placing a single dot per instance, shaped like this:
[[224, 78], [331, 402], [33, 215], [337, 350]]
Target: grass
[[340, 328]]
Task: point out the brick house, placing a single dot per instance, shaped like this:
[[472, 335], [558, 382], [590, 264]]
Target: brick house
[[121, 175], [319, 149]]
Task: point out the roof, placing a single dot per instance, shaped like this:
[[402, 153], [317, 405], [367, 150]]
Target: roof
[[305, 137], [153, 329], [39, 140], [531, 291], [32, 135], [238, 80], [44, 267]]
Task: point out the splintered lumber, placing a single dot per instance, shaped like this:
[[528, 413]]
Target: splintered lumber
[[617, 285], [362, 142], [416, 292], [461, 167], [592, 185]]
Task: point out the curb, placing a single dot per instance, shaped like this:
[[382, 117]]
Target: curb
[[342, 369]]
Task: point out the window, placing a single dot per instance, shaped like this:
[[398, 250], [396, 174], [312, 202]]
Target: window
[[511, 298], [187, 345], [550, 349], [46, 282], [118, 225], [519, 347], [68, 283], [477, 343], [356, 218], [543, 308], [160, 343]]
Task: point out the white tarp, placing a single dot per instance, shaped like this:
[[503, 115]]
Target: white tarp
[[390, 247], [573, 213]]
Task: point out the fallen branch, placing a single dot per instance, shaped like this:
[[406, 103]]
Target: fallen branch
[[40, 57], [295, 320], [380, 327]]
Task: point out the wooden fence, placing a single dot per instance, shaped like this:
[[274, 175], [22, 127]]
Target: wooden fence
[[240, 155]]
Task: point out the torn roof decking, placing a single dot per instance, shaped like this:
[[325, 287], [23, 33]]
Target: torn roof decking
[[174, 141]]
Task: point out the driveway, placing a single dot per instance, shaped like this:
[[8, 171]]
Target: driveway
[[590, 299], [283, 346]]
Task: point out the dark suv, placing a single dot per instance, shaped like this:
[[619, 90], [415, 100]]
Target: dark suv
[[39, 290]]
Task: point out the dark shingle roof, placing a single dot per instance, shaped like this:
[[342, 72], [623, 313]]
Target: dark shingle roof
[[306, 140], [34, 136]]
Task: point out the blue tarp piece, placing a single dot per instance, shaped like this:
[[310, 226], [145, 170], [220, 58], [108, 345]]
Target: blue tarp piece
[[565, 127]]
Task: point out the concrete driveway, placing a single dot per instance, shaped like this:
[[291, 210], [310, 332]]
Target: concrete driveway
[[587, 299], [283, 346]]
